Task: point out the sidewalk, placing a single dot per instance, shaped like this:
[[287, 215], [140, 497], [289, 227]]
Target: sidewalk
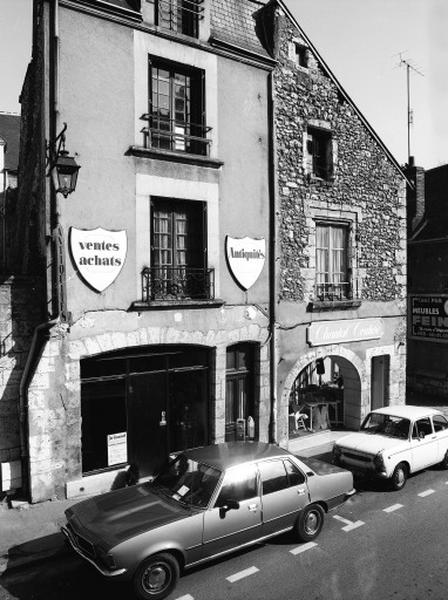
[[30, 533]]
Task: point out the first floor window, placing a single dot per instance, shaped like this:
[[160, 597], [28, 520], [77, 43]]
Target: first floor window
[[332, 269], [240, 418], [178, 250]]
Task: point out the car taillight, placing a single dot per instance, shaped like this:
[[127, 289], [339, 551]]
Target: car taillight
[[378, 461]]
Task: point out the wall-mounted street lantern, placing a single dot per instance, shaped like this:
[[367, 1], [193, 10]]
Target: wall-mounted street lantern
[[62, 167]]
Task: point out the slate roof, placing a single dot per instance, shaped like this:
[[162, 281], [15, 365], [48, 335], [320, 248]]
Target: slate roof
[[233, 22], [10, 132]]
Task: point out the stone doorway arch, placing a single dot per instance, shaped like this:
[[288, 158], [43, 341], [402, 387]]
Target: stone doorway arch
[[354, 394]]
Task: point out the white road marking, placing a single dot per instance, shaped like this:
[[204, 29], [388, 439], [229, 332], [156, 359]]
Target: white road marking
[[303, 548], [426, 493], [349, 524], [186, 597], [392, 508], [242, 574]]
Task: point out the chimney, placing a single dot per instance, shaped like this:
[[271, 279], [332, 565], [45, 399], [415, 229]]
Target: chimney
[[416, 197]]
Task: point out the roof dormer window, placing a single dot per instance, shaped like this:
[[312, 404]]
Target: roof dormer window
[[180, 16]]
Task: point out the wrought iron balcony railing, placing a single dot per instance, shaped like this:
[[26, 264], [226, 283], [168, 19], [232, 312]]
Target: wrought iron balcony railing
[[181, 16], [336, 292], [170, 134], [177, 283]]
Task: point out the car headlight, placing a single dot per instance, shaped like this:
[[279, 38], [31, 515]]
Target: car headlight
[[378, 461]]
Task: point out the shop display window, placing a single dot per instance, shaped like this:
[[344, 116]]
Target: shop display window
[[240, 391]]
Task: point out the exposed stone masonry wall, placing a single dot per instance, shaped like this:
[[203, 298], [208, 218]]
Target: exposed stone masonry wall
[[365, 183], [18, 317]]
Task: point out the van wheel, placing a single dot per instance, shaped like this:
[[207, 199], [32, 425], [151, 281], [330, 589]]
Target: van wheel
[[399, 476], [444, 463], [309, 523], [156, 577]]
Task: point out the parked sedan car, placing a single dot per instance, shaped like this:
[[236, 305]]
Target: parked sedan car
[[395, 441], [206, 502]]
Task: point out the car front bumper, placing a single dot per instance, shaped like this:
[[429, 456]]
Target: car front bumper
[[107, 573]]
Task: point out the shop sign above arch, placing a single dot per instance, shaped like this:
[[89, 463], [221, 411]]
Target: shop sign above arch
[[322, 333]]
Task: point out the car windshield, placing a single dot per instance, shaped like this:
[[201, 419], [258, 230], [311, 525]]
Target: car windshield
[[188, 481], [389, 425]]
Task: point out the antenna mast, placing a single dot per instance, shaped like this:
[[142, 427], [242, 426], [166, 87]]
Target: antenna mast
[[410, 120]]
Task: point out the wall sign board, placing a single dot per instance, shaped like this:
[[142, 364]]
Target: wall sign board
[[322, 333], [429, 317], [245, 257], [98, 255]]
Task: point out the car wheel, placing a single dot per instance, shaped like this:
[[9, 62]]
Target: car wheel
[[399, 476], [156, 577], [444, 463], [309, 523]]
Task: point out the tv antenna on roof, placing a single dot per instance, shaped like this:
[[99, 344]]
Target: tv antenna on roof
[[409, 67]]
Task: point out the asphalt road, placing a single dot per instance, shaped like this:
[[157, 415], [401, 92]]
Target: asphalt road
[[380, 545]]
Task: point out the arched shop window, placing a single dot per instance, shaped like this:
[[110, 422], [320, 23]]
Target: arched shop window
[[316, 397], [240, 392]]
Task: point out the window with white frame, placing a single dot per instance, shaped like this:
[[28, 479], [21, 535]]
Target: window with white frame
[[332, 261]]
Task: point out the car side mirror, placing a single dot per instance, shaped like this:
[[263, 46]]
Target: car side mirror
[[228, 504]]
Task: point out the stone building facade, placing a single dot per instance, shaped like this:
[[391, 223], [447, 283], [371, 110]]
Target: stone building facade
[[234, 250], [341, 232]]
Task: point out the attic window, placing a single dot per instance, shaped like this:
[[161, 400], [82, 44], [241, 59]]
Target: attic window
[[301, 55], [180, 16], [298, 53], [319, 153]]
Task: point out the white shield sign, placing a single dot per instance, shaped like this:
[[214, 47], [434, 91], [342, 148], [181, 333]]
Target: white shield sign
[[98, 254], [246, 258]]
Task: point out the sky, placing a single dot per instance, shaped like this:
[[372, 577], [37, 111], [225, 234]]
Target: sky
[[360, 40]]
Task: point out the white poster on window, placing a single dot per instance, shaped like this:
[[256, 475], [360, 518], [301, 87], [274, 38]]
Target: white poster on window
[[117, 452]]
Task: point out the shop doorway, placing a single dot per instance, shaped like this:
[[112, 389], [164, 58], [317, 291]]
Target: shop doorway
[[140, 405], [325, 395], [380, 381]]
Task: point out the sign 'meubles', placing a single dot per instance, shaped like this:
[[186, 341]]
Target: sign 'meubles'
[[246, 257], [429, 317], [98, 254]]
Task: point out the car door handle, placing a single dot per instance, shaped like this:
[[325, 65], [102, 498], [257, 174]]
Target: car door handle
[[252, 507], [301, 491]]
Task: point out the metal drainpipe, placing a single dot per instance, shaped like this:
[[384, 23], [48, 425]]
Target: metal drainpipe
[[273, 202]]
